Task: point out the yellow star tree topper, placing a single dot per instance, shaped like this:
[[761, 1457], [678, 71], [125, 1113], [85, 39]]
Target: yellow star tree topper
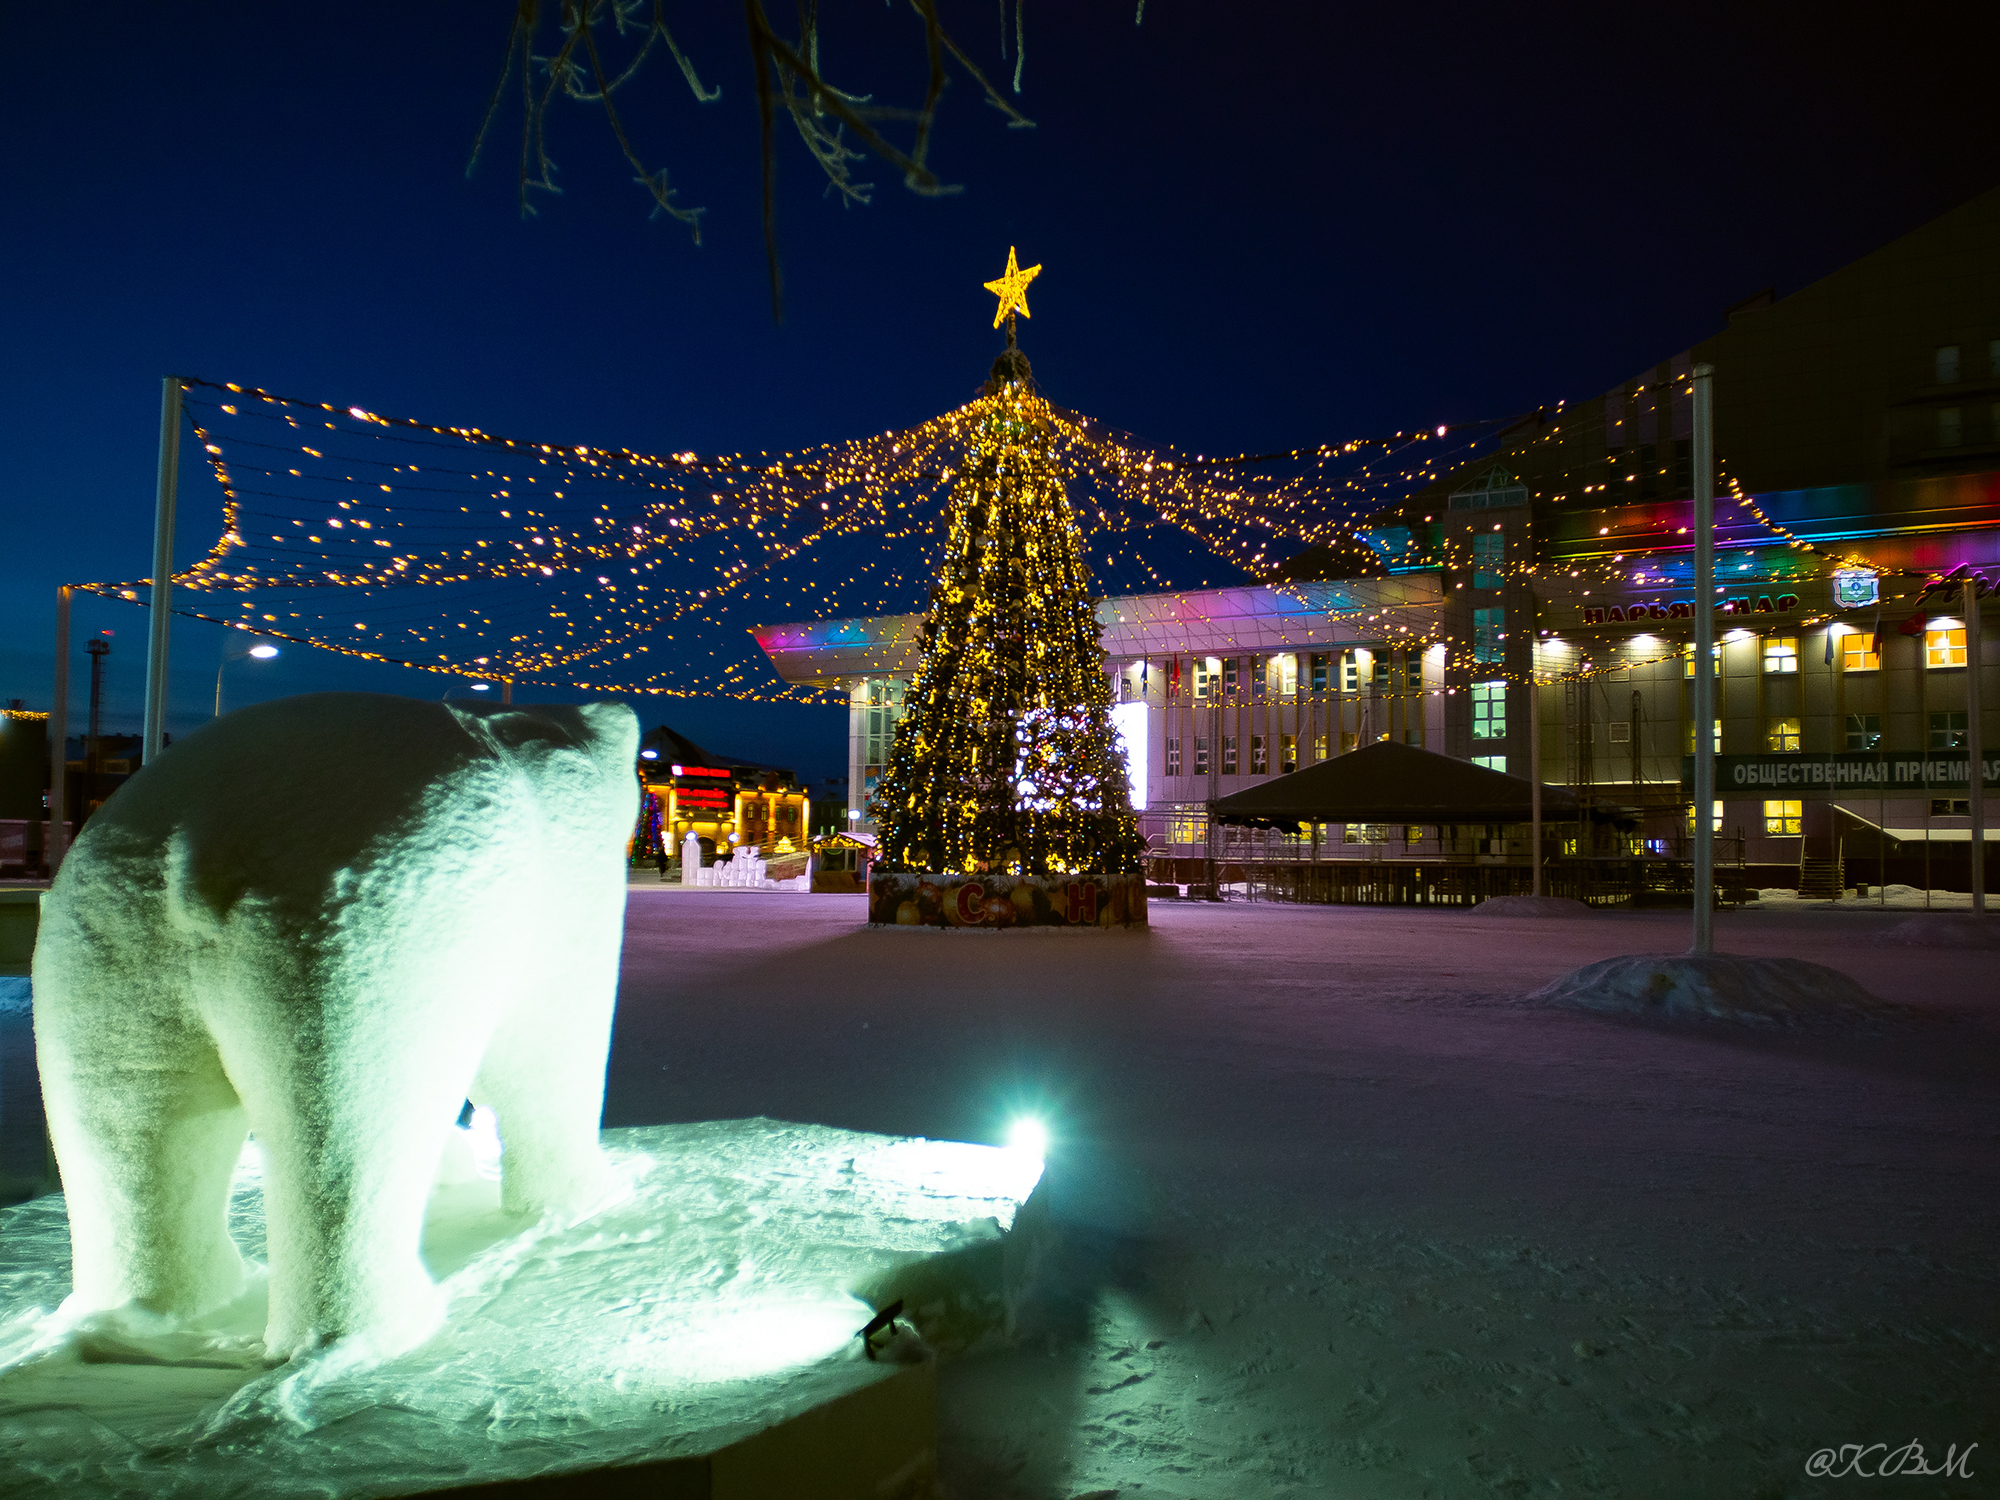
[[1012, 289]]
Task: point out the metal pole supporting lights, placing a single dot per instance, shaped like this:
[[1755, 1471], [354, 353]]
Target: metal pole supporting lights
[[1704, 660]]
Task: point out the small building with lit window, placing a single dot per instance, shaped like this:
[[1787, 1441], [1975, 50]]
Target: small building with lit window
[[723, 802]]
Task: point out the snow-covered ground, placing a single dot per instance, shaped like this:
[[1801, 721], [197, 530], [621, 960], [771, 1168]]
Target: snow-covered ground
[[1344, 1217], [1341, 1214]]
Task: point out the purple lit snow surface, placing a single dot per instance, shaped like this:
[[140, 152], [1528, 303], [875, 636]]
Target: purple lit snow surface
[[1340, 1214]]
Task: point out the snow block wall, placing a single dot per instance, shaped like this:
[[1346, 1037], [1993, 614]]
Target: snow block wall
[[905, 900], [745, 870], [330, 920]]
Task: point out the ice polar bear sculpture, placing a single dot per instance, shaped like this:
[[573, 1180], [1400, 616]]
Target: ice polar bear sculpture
[[330, 920]]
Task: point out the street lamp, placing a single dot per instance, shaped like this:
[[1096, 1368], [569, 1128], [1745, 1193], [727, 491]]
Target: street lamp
[[261, 650]]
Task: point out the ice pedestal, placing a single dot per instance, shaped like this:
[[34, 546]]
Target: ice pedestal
[[705, 1326]]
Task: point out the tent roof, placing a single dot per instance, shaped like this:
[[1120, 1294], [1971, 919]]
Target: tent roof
[[1391, 783]]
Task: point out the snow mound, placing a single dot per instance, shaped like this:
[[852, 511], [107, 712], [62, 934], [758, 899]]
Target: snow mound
[[1945, 930], [1530, 906], [1717, 986]]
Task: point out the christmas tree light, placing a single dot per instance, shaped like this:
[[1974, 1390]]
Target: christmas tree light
[[1006, 761]]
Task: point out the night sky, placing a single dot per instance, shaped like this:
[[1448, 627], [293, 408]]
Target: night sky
[[1257, 234]]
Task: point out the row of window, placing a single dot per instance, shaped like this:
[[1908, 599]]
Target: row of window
[[1221, 677], [1782, 819], [1785, 819], [1260, 754], [1951, 425], [1951, 362], [1782, 735], [1944, 646]]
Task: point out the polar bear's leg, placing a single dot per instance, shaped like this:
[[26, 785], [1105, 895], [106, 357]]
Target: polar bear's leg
[[148, 1131], [352, 1117], [543, 1075]]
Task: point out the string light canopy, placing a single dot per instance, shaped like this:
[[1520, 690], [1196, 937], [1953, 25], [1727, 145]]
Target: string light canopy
[[459, 551]]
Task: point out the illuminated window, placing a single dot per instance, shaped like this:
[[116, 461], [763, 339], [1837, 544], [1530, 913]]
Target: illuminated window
[[1715, 655], [1944, 647], [1489, 634], [1781, 736], [1413, 672], [1715, 748], [1857, 653], [1781, 653], [1715, 826], [1229, 755], [1491, 762], [1489, 556], [1489, 710], [1783, 820], [1200, 756], [1347, 741], [1864, 731], [1350, 671], [1288, 674], [1319, 665], [1260, 760], [1288, 753], [1319, 747], [1948, 731], [1413, 834], [1173, 757]]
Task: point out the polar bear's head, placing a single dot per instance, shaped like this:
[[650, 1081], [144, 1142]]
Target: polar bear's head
[[574, 755]]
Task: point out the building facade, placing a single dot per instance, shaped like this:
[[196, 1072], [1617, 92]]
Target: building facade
[[1857, 428]]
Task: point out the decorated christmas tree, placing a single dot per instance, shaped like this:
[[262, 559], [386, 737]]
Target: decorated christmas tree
[[1006, 762]]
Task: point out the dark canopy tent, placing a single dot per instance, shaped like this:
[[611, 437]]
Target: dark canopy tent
[[1391, 783]]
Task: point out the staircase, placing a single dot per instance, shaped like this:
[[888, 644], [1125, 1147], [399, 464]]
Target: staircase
[[1822, 879]]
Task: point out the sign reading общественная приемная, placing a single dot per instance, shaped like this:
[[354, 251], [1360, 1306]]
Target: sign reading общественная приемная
[[1836, 775]]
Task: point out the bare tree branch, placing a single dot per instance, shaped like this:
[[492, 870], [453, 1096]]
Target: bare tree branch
[[786, 76]]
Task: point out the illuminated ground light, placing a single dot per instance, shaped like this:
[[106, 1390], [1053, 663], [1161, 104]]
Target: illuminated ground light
[[1030, 1137]]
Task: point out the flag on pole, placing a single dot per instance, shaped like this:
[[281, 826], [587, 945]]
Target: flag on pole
[[1914, 625]]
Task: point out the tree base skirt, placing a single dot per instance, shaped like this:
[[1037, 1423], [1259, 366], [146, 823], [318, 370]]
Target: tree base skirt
[[1002, 901]]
